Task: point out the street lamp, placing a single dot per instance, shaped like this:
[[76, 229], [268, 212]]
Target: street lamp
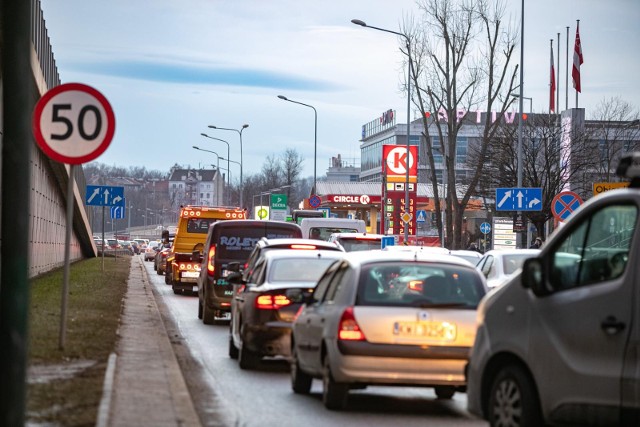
[[315, 139], [228, 153], [406, 194], [217, 157], [515, 95], [241, 161]]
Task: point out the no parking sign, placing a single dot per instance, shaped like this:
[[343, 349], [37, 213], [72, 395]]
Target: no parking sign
[[564, 204]]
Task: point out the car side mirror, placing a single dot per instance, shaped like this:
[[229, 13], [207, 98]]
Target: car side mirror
[[233, 266], [298, 296], [533, 276], [235, 278]]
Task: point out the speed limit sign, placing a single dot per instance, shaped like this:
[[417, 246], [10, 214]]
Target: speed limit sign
[[73, 123]]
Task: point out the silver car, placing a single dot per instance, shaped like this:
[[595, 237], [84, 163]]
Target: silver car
[[387, 318]]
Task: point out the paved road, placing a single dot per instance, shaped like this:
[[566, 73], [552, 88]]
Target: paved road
[[226, 395]]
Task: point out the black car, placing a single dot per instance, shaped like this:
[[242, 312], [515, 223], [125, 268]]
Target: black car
[[265, 306]]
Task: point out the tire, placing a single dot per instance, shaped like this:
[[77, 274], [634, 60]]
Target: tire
[[513, 400], [199, 309], [155, 266], [445, 392], [334, 395], [167, 278], [176, 291], [233, 350], [159, 272], [208, 315], [300, 380], [248, 359]]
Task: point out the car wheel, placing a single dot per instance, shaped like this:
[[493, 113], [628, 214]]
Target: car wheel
[[513, 400], [199, 309], [334, 395], [176, 291], [445, 392], [233, 350], [248, 359], [208, 315], [167, 277], [300, 380], [159, 271]]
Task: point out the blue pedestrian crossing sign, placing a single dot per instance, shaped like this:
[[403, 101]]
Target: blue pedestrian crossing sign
[[117, 212], [519, 199], [485, 228], [421, 216], [104, 195]]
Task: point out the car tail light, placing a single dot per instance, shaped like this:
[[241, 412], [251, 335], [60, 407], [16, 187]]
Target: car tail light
[[211, 268], [272, 302], [164, 254], [348, 329], [307, 247]]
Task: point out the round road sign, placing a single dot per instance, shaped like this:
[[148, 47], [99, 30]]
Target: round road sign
[[73, 123], [485, 228], [314, 201], [564, 204]]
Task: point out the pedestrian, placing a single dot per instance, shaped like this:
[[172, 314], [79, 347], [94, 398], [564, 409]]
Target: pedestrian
[[536, 244]]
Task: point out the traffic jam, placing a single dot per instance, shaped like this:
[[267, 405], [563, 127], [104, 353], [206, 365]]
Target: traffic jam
[[386, 330]]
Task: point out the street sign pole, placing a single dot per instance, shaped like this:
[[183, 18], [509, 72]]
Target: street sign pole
[[67, 264]]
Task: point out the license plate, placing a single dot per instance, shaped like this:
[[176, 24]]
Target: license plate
[[191, 274], [435, 330]]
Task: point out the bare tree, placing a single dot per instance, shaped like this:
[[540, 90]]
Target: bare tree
[[462, 55], [292, 168]]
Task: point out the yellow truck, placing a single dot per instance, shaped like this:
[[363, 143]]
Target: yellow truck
[[183, 262]]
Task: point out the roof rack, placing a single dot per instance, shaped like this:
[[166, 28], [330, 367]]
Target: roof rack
[[629, 167]]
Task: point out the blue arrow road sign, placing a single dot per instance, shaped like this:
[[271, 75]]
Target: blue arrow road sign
[[485, 228], [104, 195], [421, 216], [519, 199], [117, 212]]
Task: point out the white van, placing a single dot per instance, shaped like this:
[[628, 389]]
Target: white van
[[323, 228], [559, 343]]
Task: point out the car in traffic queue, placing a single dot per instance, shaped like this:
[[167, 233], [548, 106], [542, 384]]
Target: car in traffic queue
[[160, 261], [500, 265], [404, 318], [183, 262], [558, 344], [113, 244], [263, 306], [151, 250], [227, 248], [351, 242], [265, 244], [472, 256]]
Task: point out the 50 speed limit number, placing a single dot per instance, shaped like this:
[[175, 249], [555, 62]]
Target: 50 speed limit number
[[73, 123]]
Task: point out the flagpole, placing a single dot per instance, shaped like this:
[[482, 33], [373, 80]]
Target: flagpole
[[566, 78], [577, 35], [552, 85], [558, 79]]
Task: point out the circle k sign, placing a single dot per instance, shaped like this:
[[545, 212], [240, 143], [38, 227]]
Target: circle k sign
[[397, 161]]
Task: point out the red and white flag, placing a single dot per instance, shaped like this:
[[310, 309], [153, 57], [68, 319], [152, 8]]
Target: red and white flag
[[552, 85], [577, 60]]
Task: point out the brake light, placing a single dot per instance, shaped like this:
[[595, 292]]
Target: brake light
[[348, 329], [307, 247], [211, 260], [272, 302]]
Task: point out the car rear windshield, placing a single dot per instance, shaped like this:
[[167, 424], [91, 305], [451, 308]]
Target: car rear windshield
[[235, 243], [362, 244], [323, 233], [511, 263], [415, 284], [298, 269], [199, 225]]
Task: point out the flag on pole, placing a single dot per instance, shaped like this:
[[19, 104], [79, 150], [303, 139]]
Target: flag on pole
[[552, 85], [577, 60]]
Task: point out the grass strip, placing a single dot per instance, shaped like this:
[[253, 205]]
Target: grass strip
[[93, 313]]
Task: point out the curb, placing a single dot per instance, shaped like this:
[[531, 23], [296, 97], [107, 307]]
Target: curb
[[107, 390]]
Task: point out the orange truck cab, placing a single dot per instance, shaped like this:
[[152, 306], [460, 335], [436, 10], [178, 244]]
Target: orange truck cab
[[183, 263]]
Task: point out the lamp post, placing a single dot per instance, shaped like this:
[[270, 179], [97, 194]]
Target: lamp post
[[218, 157], [515, 95], [407, 202], [228, 154], [241, 161], [315, 138]]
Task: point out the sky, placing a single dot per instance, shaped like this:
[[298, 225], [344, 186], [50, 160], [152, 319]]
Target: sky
[[172, 68]]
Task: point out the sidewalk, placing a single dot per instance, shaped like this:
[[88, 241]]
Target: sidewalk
[[144, 385]]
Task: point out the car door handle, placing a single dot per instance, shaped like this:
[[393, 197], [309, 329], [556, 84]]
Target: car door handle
[[239, 299], [612, 326]]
